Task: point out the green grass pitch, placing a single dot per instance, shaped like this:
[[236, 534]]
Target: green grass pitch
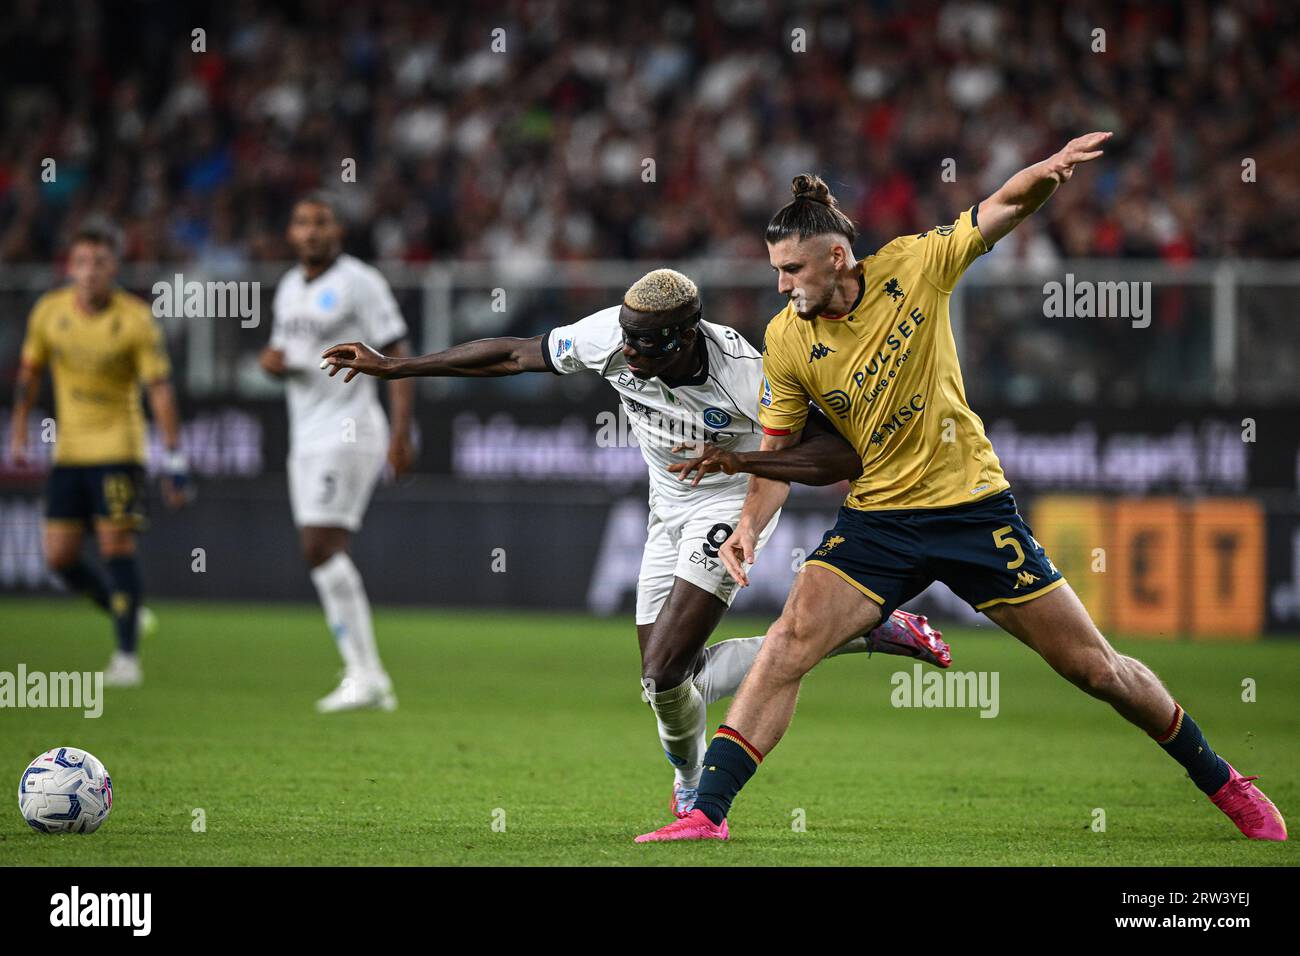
[[534, 720]]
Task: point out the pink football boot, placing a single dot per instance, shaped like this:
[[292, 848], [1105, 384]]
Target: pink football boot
[[1247, 807], [910, 635], [694, 826]]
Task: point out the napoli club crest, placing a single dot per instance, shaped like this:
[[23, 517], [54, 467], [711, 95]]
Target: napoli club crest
[[716, 418]]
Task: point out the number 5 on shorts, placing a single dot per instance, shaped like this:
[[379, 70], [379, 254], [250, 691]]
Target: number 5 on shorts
[[1002, 538]]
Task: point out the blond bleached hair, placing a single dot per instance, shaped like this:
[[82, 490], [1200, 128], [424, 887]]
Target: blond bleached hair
[[660, 291]]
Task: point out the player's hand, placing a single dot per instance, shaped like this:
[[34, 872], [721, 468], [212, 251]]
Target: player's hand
[[709, 459], [1083, 149], [356, 357], [737, 552], [272, 361], [401, 453], [177, 490]]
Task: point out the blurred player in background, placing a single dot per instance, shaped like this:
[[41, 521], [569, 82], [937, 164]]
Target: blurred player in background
[[679, 378], [101, 344], [339, 438], [932, 502]]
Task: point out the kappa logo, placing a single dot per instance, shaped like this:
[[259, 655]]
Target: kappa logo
[[944, 231], [819, 351], [1024, 579], [838, 401], [893, 289]]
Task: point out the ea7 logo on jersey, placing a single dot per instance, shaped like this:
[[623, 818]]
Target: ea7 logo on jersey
[[819, 351], [631, 381]]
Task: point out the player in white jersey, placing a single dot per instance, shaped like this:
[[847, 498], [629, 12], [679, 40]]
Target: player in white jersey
[[682, 381], [339, 438]]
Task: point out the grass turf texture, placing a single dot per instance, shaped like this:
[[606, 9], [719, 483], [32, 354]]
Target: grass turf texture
[[538, 715]]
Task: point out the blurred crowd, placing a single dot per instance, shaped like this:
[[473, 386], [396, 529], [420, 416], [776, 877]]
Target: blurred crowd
[[520, 132]]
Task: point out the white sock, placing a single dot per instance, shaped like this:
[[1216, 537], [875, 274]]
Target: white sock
[[727, 662], [347, 611], [683, 724], [725, 665], [856, 645]]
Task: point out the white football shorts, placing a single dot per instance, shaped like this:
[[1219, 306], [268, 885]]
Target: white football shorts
[[682, 541], [331, 487]]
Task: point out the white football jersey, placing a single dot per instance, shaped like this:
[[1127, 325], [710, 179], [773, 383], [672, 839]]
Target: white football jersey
[[719, 405], [348, 302]]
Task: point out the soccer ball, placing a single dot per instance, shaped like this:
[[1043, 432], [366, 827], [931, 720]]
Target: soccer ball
[[65, 790]]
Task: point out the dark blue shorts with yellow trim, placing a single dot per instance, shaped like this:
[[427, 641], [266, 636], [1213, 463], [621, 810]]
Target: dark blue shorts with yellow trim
[[85, 494], [983, 551]]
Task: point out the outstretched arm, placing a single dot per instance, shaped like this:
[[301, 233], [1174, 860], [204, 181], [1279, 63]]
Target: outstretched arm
[[822, 457], [1028, 189], [483, 358], [765, 498]]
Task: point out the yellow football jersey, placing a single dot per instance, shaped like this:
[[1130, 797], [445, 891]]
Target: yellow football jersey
[[887, 375], [98, 363]]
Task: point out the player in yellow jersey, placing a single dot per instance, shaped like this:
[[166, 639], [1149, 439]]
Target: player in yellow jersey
[[101, 345], [869, 342]]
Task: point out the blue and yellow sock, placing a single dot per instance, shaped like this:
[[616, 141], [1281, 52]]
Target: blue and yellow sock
[[124, 600], [728, 764], [1184, 742]]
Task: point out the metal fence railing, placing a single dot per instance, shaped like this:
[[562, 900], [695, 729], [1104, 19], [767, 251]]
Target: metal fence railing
[[1212, 331]]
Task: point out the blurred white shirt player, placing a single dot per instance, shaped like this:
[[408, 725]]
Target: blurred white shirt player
[[339, 438]]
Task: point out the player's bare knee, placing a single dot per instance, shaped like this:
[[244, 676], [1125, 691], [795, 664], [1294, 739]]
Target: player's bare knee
[[60, 560], [1098, 674], [664, 670], [317, 549], [792, 649]]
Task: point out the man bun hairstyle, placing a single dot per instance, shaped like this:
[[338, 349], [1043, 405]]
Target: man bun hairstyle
[[660, 291], [812, 212]]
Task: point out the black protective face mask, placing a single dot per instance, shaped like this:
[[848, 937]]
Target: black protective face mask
[[657, 343]]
